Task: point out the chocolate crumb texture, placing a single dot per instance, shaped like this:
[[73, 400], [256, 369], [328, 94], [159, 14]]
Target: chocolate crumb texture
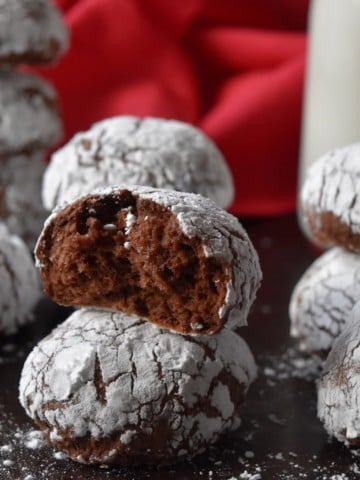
[[176, 258]]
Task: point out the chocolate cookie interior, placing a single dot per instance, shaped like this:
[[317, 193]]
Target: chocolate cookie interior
[[122, 252]]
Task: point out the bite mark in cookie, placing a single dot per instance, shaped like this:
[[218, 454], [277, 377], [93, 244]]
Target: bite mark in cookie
[[173, 257]]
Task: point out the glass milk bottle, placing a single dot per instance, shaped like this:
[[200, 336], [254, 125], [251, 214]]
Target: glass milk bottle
[[331, 115]]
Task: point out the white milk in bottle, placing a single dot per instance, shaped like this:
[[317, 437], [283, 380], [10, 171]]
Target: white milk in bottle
[[331, 115]]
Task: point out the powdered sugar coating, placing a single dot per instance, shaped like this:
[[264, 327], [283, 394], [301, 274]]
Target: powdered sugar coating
[[31, 31], [20, 195], [110, 375], [333, 186], [20, 289], [221, 233], [129, 150], [339, 385], [323, 299], [30, 118]]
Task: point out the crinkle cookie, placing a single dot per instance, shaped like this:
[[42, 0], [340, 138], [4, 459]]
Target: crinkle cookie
[[176, 258], [111, 388], [330, 199], [129, 150], [31, 31], [20, 195], [323, 299], [20, 289], [339, 385], [29, 114]]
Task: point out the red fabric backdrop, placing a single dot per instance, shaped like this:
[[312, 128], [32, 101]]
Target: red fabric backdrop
[[232, 67]]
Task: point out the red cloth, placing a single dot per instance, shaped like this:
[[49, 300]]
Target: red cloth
[[232, 67]]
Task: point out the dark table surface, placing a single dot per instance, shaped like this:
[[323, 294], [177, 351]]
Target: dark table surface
[[280, 437]]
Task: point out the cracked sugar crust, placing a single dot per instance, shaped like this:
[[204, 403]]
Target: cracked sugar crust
[[176, 258], [129, 150], [330, 199], [31, 31], [29, 114], [20, 289], [323, 299], [20, 203], [339, 385], [112, 388]]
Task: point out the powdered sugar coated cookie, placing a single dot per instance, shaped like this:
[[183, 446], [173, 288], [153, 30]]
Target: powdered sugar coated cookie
[[29, 113], [31, 31], [129, 150], [323, 299], [112, 388], [20, 198], [339, 385], [176, 258], [20, 289], [330, 199]]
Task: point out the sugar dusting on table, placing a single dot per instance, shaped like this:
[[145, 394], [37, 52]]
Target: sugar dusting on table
[[237, 457]]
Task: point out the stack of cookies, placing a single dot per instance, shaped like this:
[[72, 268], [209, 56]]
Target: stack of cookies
[[325, 306], [330, 212], [31, 32], [150, 368]]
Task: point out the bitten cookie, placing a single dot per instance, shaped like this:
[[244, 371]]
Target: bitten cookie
[[31, 31], [111, 388], [20, 199], [323, 299], [29, 114], [339, 385], [330, 199], [20, 289], [129, 150], [176, 258]]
